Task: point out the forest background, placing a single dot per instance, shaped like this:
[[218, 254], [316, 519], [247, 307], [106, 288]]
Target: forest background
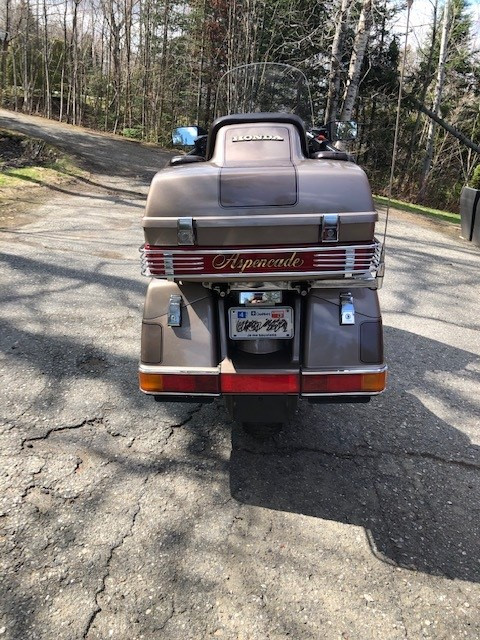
[[142, 67]]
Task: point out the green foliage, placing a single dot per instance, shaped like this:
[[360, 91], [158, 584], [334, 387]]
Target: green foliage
[[148, 69], [475, 179], [135, 133], [448, 216]]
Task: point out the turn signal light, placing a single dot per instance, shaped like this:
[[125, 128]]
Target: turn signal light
[[179, 383], [344, 383], [260, 383]]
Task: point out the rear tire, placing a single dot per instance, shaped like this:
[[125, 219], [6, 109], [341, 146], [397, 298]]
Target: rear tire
[[262, 430]]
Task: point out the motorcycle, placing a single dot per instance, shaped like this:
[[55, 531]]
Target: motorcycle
[[261, 246]]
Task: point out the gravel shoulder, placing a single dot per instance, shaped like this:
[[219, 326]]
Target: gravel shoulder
[[122, 518]]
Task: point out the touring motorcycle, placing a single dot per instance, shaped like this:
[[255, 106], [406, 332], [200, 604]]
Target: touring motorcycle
[[260, 244]]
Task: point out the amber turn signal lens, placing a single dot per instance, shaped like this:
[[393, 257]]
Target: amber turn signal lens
[[374, 382]]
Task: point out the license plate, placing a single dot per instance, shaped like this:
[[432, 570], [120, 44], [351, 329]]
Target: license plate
[[263, 322]]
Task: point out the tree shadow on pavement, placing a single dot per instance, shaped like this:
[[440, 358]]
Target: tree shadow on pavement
[[83, 194], [393, 466]]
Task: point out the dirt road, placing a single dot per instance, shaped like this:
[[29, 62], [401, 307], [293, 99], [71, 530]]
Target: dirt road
[[122, 518]]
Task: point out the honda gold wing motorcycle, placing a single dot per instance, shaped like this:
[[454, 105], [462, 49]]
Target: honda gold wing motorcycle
[[264, 263]]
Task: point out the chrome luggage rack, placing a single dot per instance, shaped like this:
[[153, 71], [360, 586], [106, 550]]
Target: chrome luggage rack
[[361, 264]]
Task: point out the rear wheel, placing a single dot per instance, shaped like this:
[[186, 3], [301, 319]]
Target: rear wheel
[[261, 414], [262, 430]]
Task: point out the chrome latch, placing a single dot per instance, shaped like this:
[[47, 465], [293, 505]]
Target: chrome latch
[[185, 231], [347, 309], [330, 224], [175, 311]]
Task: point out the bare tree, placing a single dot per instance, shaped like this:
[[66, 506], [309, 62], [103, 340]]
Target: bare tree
[[335, 61], [437, 97], [356, 60], [5, 44]]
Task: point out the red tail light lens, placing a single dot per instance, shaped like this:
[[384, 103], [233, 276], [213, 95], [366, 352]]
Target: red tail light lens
[[179, 383], [344, 383], [260, 383]]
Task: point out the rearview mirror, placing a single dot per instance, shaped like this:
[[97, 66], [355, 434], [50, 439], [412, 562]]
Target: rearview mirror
[[185, 136], [345, 131]]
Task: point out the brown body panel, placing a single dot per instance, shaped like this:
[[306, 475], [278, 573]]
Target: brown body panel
[[248, 195]]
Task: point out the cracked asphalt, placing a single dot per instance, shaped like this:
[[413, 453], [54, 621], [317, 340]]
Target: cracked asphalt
[[122, 518]]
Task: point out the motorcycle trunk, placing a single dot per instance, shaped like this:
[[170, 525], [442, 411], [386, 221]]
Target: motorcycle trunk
[[265, 268]]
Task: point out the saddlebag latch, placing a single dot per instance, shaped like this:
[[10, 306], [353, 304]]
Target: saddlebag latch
[[175, 311], [185, 231], [347, 309], [330, 224]]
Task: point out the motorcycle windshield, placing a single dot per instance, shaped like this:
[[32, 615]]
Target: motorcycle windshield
[[265, 87]]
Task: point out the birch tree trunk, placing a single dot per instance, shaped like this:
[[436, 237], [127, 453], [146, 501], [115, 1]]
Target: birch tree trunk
[[26, 50], [437, 97], [64, 62], [335, 62], [5, 45], [356, 60], [202, 63], [423, 93], [47, 92], [163, 66], [74, 63]]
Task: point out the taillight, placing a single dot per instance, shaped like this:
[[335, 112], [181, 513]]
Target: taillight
[[344, 382], [179, 383], [260, 383]]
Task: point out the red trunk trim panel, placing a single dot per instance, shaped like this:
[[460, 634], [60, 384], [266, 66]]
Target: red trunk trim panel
[[340, 260]]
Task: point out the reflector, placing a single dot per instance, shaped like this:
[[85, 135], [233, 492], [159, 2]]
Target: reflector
[[260, 383]]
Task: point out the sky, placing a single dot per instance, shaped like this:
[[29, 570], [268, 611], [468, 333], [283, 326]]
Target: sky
[[421, 17]]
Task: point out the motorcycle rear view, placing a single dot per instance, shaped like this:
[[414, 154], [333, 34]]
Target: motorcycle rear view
[[264, 262]]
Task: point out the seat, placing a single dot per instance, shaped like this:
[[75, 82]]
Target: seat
[[250, 118]]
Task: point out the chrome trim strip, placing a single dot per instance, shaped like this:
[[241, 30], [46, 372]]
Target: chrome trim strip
[[180, 393], [355, 393], [314, 249], [156, 267], [298, 275], [286, 285], [153, 368], [260, 219], [327, 372]]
